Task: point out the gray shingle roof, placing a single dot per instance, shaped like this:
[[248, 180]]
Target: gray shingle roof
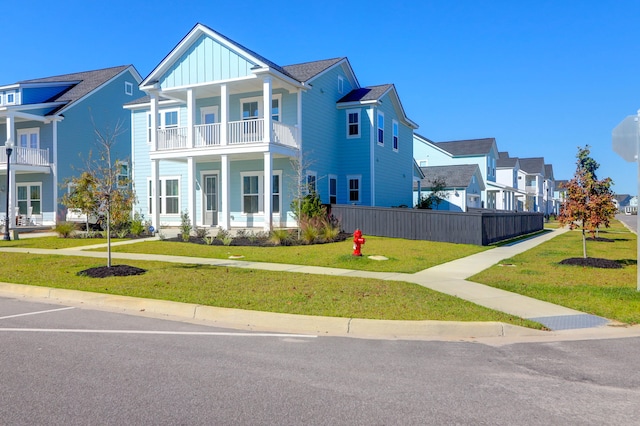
[[307, 70], [468, 147], [87, 81], [455, 176], [369, 93], [548, 171], [532, 165], [505, 162]]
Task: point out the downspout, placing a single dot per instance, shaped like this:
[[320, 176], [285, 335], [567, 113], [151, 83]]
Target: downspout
[[372, 144]]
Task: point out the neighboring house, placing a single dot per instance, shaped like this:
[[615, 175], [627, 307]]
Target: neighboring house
[[464, 186], [507, 172], [534, 175], [232, 138], [548, 189], [52, 123], [621, 201], [483, 152], [560, 193]]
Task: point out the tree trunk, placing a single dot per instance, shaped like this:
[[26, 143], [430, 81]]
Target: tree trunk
[[584, 244], [108, 238]]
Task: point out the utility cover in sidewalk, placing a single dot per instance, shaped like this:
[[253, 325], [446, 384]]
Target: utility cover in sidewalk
[[570, 322]]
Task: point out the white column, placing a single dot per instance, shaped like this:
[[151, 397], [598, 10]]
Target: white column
[[266, 107], [225, 204], [12, 174], [154, 122], [54, 171], [155, 212], [224, 115], [191, 116], [191, 189], [268, 172]]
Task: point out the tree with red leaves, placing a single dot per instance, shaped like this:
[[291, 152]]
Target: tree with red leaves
[[589, 203]]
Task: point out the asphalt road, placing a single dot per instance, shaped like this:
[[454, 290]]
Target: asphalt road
[[630, 220], [66, 365]]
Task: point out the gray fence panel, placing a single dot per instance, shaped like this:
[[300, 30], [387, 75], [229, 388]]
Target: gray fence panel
[[480, 227]]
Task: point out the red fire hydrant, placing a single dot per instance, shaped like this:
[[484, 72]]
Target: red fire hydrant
[[358, 241]]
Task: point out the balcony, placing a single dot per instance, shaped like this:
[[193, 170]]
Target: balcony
[[238, 133], [25, 156], [531, 189]]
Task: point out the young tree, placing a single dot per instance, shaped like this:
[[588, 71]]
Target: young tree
[[437, 195], [103, 189], [589, 203]]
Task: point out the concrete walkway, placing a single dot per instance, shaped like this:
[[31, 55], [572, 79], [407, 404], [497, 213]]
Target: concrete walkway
[[449, 278]]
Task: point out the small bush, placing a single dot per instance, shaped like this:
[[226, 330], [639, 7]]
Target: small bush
[[64, 229], [201, 232], [279, 237], [208, 239], [309, 234], [138, 225], [185, 226], [330, 233], [227, 240], [222, 234]]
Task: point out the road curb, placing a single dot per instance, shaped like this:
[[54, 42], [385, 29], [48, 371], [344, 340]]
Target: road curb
[[274, 322]]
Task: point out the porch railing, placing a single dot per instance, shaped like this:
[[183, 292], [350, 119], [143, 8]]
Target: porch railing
[[207, 134], [172, 138], [246, 131], [238, 133], [26, 156]]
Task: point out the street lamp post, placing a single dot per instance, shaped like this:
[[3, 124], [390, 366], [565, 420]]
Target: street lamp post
[[9, 149]]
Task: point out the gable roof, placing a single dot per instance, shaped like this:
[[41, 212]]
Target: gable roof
[[366, 94], [506, 162], [532, 165], [307, 70], [454, 176], [83, 83], [468, 147], [548, 171]]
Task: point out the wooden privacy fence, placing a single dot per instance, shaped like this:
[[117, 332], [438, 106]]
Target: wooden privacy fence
[[480, 227]]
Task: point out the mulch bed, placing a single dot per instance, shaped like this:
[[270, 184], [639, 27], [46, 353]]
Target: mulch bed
[[594, 262], [113, 271], [256, 242]]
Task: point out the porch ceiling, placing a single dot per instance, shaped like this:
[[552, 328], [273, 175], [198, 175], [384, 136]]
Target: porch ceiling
[[233, 87]]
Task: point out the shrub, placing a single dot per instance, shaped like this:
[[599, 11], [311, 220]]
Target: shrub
[[201, 232], [64, 229], [279, 237], [222, 234], [185, 226], [208, 239], [330, 232], [138, 225], [309, 234], [227, 240]]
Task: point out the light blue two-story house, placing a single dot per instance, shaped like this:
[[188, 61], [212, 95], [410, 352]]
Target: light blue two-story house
[[51, 123], [231, 138]]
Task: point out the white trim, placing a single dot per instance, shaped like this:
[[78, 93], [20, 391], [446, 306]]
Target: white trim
[[128, 88], [340, 84], [203, 203], [349, 179], [209, 110], [348, 113], [313, 174], [335, 195], [162, 198], [28, 185], [28, 131], [379, 115], [260, 175], [395, 135], [259, 100]]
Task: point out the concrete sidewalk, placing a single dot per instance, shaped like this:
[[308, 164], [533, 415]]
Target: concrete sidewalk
[[448, 278]]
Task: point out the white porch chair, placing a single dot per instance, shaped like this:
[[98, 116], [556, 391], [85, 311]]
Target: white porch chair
[[29, 218]]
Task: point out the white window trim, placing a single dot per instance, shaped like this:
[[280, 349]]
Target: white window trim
[[162, 120], [126, 176], [27, 132], [261, 106], [15, 98], [395, 135], [260, 175], [162, 205], [378, 128], [128, 88], [208, 110], [29, 185], [354, 111], [332, 177], [426, 163], [359, 179], [314, 174], [340, 84]]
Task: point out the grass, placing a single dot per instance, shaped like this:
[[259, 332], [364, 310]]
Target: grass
[[254, 290], [55, 243], [406, 256], [610, 293]]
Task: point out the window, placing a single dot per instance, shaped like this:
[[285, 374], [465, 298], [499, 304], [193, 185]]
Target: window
[[340, 84], [250, 194], [128, 88], [11, 98], [275, 191], [170, 118], [29, 138], [395, 135], [311, 182], [250, 110], [123, 175], [275, 109], [150, 196], [148, 127], [333, 189], [353, 123], [381, 128], [208, 115], [168, 195], [354, 189], [253, 192], [29, 195], [423, 163]]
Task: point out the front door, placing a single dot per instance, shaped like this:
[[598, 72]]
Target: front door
[[210, 200]]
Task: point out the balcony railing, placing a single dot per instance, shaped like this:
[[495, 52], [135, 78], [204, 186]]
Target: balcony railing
[[238, 133], [25, 156], [531, 189]]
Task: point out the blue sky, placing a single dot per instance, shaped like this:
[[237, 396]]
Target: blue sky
[[542, 77]]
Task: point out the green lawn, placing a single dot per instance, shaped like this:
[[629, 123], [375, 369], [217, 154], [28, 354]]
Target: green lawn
[[610, 293], [292, 293], [404, 255], [54, 242]]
